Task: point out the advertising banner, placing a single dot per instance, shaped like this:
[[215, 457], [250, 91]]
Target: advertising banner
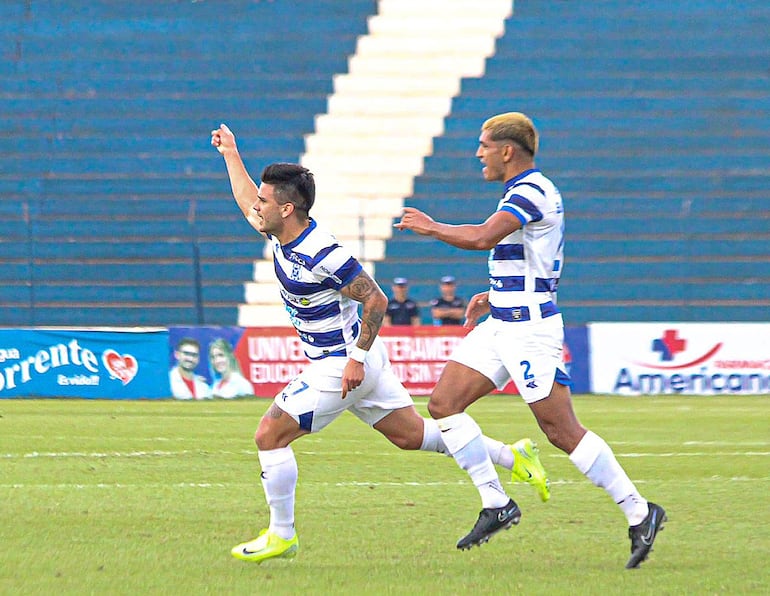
[[207, 362], [270, 357], [576, 350], [106, 364], [419, 354], [680, 358]]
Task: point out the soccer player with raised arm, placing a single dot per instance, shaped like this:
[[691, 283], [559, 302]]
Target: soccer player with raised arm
[[522, 339], [322, 286]]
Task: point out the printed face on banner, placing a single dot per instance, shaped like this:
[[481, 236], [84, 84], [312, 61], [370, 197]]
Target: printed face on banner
[[271, 357], [205, 362]]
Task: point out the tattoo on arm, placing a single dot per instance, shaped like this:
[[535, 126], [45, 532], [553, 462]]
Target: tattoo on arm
[[361, 287], [365, 290], [370, 326]]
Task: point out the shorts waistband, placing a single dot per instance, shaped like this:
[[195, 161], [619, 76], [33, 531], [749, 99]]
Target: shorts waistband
[[518, 314], [325, 354]]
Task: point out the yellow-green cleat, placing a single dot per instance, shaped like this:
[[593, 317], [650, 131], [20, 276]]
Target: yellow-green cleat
[[527, 467], [266, 546]]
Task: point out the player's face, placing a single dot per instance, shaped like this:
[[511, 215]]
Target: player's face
[[491, 155], [269, 212], [219, 360]]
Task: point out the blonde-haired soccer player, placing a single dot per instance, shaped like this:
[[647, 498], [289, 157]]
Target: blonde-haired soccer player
[[522, 339]]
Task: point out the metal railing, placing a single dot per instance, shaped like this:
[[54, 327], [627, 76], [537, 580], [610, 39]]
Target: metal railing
[[26, 233]]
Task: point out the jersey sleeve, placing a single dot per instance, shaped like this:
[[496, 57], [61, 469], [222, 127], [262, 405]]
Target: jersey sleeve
[[524, 201], [335, 267]]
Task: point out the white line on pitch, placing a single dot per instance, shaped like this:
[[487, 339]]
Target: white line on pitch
[[679, 454], [157, 453], [353, 484]]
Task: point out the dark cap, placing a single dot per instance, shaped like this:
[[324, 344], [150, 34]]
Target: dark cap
[[448, 279], [400, 281]]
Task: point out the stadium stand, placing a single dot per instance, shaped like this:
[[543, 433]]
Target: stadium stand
[[112, 201], [380, 123], [653, 123], [113, 204]]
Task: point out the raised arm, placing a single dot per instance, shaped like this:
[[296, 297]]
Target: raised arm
[[244, 188]]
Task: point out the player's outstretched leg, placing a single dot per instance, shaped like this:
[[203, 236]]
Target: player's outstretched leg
[[520, 458], [267, 546], [491, 520], [527, 467], [643, 535]]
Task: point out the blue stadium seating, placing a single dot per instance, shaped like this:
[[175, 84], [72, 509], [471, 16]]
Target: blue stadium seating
[[654, 125], [107, 177], [653, 116]]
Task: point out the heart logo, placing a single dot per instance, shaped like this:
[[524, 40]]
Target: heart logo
[[120, 367]]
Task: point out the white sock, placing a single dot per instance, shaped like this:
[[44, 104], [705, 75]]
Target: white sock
[[594, 458], [279, 480], [463, 438], [432, 441], [499, 453]]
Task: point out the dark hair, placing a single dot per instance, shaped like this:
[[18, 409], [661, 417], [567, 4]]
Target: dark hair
[[293, 184], [188, 341]]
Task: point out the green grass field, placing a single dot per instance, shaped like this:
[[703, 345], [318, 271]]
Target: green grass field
[[106, 497]]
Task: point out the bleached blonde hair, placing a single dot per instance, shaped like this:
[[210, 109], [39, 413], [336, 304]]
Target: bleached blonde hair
[[513, 126]]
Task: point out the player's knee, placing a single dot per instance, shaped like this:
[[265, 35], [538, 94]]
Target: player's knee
[[439, 408], [564, 437], [264, 439], [259, 439], [403, 435], [555, 435]]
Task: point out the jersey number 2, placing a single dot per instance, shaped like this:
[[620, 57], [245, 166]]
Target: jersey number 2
[[527, 375]]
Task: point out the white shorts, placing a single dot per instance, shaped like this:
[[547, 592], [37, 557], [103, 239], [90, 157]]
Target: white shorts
[[528, 352], [314, 399]]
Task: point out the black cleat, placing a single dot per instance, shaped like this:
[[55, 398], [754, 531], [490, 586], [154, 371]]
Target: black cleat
[[491, 521], [643, 535]]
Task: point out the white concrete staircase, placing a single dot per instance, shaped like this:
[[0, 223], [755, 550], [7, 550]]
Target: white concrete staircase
[[380, 124]]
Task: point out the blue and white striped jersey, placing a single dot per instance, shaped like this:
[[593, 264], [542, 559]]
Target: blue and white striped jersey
[[311, 271], [525, 266]]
